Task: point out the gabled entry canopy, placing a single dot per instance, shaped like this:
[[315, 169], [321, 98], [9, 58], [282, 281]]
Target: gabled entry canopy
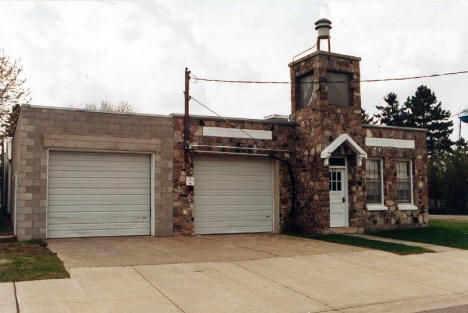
[[327, 152]]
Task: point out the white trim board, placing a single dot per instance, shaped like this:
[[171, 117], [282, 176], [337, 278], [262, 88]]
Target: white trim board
[[390, 142], [327, 152], [236, 133]]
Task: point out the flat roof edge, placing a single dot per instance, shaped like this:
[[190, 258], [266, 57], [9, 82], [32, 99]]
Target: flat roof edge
[[394, 127], [238, 119], [91, 111], [318, 52]]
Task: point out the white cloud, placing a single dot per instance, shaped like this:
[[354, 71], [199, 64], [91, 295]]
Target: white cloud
[[76, 52]]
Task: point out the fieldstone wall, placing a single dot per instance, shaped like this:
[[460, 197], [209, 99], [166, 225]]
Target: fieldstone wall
[[394, 216], [318, 124], [183, 197], [40, 129]]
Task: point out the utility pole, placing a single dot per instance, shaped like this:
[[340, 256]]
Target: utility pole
[[186, 114], [459, 126]]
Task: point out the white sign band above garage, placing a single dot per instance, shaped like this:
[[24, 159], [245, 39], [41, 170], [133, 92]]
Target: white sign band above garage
[[390, 143], [237, 133]]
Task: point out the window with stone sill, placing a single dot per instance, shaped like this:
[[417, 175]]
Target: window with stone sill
[[339, 88], [374, 181]]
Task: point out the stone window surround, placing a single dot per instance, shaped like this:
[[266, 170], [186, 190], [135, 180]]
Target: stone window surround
[[401, 206]]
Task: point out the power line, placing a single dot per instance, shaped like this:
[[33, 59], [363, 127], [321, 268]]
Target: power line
[[325, 81], [226, 120]]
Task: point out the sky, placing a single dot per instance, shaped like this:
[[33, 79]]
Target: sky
[[79, 52]]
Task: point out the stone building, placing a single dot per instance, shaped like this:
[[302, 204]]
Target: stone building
[[76, 173]]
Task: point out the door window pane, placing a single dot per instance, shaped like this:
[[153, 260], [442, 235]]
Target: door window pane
[[335, 182], [373, 181]]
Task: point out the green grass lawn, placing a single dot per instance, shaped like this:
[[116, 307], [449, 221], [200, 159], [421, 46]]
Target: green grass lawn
[[396, 248], [439, 232], [29, 260]]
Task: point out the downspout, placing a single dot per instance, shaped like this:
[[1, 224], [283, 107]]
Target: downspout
[[292, 179]]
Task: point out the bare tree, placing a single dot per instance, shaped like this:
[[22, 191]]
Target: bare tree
[[13, 93], [10, 121], [107, 106]]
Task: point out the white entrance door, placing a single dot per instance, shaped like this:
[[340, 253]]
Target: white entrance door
[[338, 197]]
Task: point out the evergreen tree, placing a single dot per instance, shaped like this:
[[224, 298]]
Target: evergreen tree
[[422, 110], [9, 125], [366, 117], [391, 113]]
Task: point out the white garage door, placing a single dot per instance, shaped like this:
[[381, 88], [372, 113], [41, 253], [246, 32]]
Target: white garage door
[[98, 194], [233, 195]]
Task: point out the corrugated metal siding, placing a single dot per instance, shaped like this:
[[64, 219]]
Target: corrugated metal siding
[[233, 195], [98, 194]]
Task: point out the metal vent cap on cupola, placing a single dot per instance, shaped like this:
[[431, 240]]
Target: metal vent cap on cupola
[[323, 27]]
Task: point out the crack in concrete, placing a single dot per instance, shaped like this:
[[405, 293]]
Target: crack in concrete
[[16, 298], [290, 288], [158, 289]]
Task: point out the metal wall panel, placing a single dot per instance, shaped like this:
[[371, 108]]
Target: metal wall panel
[[98, 194], [233, 195]]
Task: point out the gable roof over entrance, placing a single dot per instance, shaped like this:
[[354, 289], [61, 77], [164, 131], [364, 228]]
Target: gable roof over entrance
[[327, 152]]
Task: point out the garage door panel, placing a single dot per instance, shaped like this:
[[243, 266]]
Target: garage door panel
[[114, 168], [68, 208], [232, 185], [93, 191], [95, 226], [98, 174], [134, 162], [98, 183], [228, 199], [236, 192], [98, 194], [98, 232], [237, 216], [233, 194], [234, 176], [57, 218], [240, 223], [106, 198], [224, 207], [114, 201]]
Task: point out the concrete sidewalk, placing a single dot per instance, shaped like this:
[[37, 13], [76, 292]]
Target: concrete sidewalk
[[458, 218], [436, 248], [283, 280]]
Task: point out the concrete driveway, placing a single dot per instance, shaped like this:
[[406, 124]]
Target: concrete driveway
[[241, 273]]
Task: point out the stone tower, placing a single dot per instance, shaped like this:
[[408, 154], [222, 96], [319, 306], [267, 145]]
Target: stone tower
[[325, 103]]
